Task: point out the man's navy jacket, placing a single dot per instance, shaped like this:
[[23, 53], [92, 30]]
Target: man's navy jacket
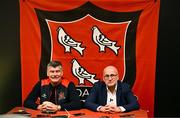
[[124, 95]]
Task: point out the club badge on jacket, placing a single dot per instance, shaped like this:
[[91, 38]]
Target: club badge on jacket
[[61, 96]]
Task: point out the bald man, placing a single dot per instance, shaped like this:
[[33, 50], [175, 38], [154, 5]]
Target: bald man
[[111, 95]]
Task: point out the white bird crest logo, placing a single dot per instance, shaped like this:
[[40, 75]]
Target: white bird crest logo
[[81, 73], [68, 42], [102, 41]]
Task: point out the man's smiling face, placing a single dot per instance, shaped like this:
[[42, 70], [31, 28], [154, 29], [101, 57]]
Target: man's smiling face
[[55, 74]]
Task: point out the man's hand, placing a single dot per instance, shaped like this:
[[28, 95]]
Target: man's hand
[[113, 109], [48, 106], [104, 109], [40, 107]]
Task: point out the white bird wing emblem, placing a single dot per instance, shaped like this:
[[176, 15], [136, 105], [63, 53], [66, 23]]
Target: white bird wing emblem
[[102, 41], [68, 42], [81, 73]]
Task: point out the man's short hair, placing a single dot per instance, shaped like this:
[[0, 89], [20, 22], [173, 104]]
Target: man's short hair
[[54, 64]]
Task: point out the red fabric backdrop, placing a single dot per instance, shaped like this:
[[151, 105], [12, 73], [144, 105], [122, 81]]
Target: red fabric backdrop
[[86, 36]]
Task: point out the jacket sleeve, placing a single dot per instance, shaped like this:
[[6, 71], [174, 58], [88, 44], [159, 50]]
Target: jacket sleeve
[[30, 101], [73, 102], [132, 102], [90, 102]]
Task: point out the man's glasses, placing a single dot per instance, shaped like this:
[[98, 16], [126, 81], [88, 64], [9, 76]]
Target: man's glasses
[[111, 75]]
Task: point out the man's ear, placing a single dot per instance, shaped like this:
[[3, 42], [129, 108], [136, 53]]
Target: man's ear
[[62, 73], [47, 72]]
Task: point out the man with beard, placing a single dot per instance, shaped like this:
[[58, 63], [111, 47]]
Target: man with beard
[[54, 93]]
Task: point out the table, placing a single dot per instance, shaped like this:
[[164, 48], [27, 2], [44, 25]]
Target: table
[[85, 113]]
